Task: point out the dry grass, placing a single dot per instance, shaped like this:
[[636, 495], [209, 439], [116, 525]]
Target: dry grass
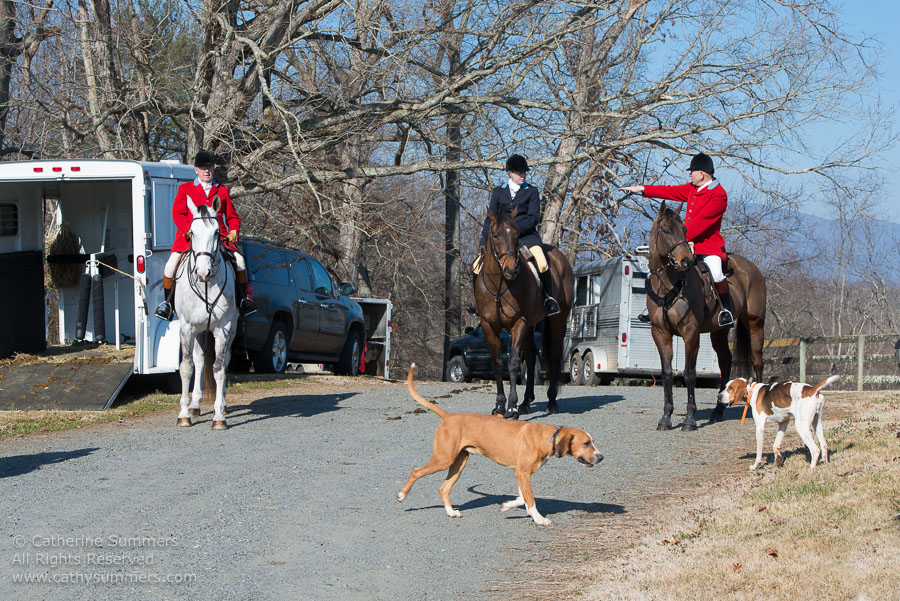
[[782, 533]]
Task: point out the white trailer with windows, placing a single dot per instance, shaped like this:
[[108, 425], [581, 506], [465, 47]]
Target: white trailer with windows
[[121, 214], [605, 339]]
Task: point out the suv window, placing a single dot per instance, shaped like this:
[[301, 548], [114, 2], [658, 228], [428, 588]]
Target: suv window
[[301, 274], [267, 265], [321, 279]]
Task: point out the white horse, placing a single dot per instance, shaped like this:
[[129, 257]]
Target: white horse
[[205, 304]]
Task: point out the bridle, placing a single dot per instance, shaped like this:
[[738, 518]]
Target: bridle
[[484, 272], [665, 301], [214, 258]]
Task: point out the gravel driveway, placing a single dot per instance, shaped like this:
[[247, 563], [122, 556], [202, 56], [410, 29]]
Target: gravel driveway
[[297, 499]]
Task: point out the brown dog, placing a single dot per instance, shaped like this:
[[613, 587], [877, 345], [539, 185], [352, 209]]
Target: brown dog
[[523, 446]]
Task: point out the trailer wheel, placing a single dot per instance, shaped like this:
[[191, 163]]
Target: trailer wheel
[[575, 370], [272, 358]]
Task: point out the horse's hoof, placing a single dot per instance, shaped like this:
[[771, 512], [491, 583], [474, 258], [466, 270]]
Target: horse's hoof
[[219, 424], [663, 425], [184, 421], [194, 412], [511, 414], [498, 410], [686, 427], [552, 408], [524, 409]]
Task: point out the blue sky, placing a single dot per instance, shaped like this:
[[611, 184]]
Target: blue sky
[[879, 19]]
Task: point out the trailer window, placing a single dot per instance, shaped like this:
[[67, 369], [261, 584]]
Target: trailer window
[[9, 219]]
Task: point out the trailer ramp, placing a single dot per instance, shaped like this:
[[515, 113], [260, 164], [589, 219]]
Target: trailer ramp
[[83, 382]]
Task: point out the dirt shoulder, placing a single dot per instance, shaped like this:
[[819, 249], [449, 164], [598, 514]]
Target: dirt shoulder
[[789, 532]]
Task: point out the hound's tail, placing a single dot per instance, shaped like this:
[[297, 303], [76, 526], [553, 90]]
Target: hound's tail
[[824, 383], [418, 398]]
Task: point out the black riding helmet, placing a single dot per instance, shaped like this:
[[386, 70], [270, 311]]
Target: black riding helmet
[[204, 158], [517, 164], [702, 162]]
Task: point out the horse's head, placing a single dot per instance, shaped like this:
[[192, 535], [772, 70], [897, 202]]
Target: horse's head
[[504, 242], [668, 240], [204, 238]]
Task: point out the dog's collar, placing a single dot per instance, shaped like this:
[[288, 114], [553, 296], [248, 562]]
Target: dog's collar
[[553, 437]]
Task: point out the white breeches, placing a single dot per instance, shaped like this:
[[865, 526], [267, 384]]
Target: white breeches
[[715, 266], [172, 263]]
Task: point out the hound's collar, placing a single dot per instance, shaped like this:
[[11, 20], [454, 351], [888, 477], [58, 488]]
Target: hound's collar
[[553, 437]]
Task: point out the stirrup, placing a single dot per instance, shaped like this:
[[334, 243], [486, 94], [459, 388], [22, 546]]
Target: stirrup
[[164, 311], [248, 307], [726, 319], [471, 310], [551, 307], [644, 317]]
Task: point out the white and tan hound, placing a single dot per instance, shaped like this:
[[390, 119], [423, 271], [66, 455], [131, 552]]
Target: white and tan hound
[[778, 403]]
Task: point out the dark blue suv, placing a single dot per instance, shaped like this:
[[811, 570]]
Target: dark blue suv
[[470, 356], [303, 315]]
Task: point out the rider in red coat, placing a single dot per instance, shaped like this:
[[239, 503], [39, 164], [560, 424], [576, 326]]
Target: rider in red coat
[[706, 202], [202, 191]]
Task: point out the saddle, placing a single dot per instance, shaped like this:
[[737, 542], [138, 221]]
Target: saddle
[[528, 258]]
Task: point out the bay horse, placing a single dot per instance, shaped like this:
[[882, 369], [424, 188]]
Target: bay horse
[[206, 308], [509, 297], [680, 302]]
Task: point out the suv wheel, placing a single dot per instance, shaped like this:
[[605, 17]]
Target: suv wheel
[[348, 363], [456, 370], [272, 358]]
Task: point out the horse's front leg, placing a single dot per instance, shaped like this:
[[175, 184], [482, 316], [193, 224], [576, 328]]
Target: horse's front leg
[[663, 342], [528, 352], [185, 369], [719, 340], [691, 347], [493, 341], [223, 352], [198, 357]]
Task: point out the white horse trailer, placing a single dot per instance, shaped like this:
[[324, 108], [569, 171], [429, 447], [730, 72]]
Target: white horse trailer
[[605, 339], [121, 214]]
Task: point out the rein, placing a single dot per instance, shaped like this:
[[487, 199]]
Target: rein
[[216, 259], [498, 258]]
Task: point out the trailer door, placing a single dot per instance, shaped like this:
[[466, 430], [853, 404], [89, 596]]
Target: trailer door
[[161, 347]]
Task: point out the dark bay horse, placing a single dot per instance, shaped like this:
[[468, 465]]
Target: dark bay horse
[[680, 303], [508, 297]]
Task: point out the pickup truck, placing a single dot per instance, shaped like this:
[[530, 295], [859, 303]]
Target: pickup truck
[[302, 316], [470, 356]]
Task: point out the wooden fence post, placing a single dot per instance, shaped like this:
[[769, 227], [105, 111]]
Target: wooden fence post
[[803, 360], [860, 355]]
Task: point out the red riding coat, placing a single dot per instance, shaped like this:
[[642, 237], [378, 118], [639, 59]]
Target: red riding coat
[[704, 214], [228, 218]]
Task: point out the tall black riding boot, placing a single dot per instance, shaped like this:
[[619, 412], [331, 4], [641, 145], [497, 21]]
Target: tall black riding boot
[[166, 309], [551, 307], [726, 316]]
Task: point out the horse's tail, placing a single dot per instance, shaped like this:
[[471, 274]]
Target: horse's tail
[[741, 362], [209, 357], [418, 398]]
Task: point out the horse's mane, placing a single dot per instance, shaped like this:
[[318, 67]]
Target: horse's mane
[[507, 218]]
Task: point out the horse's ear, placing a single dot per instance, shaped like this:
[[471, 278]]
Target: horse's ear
[[515, 212], [217, 203], [192, 208], [662, 208], [492, 216]]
